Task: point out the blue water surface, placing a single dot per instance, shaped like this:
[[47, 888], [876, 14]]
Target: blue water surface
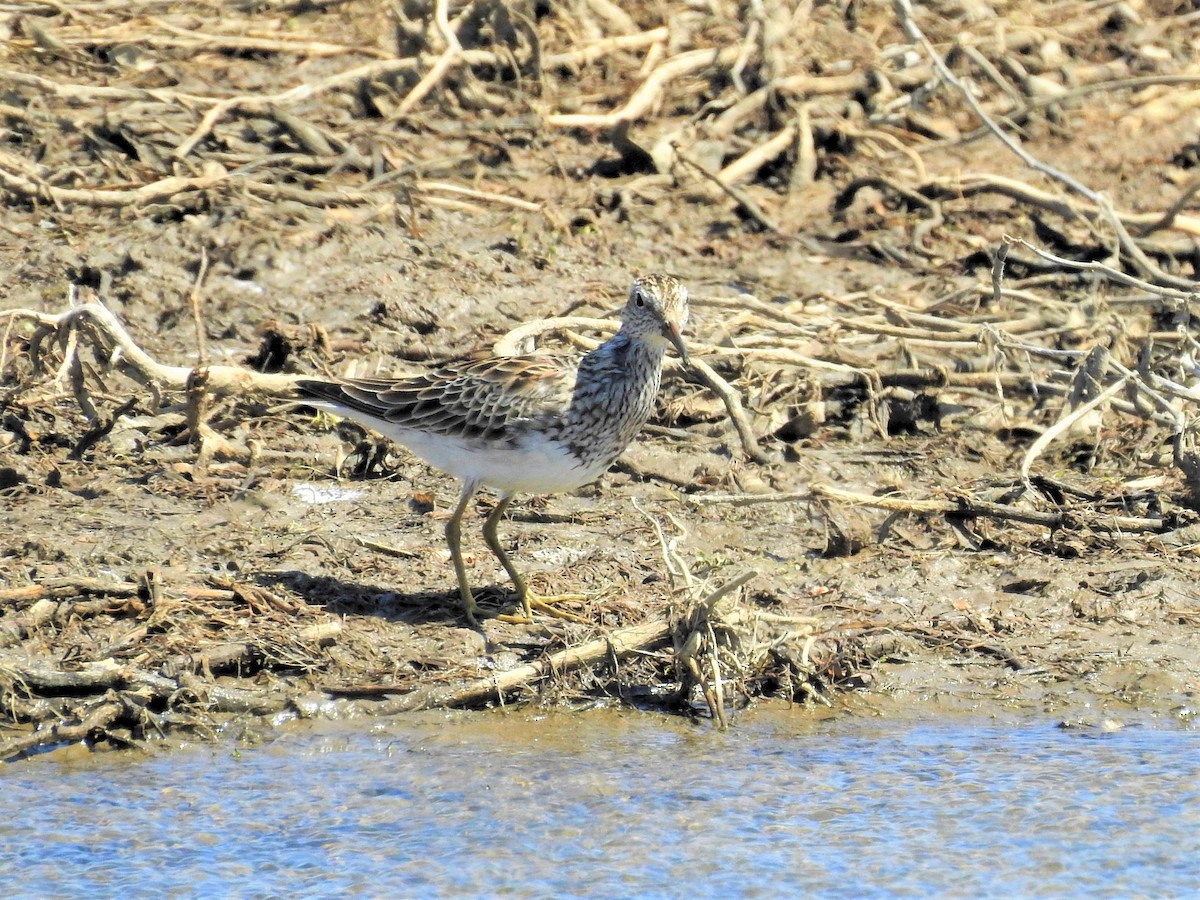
[[615, 804]]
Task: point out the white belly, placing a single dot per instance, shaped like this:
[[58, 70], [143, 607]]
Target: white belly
[[533, 466], [537, 467]]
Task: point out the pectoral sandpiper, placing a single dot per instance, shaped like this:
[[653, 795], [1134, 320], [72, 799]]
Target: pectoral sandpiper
[[537, 423]]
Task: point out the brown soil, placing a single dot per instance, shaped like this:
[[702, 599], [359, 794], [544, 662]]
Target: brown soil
[[156, 574]]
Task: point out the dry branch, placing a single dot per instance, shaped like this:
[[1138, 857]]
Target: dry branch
[[644, 99], [623, 642], [971, 508], [165, 189]]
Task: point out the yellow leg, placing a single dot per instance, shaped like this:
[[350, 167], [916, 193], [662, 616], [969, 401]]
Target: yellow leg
[[528, 598], [454, 541]]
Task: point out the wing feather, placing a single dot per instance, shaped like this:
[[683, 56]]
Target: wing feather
[[480, 396]]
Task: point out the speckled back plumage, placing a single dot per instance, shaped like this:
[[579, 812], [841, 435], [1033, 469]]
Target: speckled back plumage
[[470, 398], [535, 422]]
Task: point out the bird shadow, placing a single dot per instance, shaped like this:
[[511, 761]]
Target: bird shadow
[[341, 597]]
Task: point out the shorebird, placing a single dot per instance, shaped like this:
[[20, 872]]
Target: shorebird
[[537, 423]]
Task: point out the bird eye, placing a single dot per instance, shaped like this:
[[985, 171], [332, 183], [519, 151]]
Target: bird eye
[[639, 298]]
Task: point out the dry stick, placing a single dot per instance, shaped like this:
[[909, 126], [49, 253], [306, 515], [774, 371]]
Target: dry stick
[[74, 586], [749, 301], [68, 587], [804, 172], [488, 196], [301, 92], [221, 107], [590, 52], [614, 17], [298, 45], [1140, 260], [676, 565], [737, 412], [221, 379], [697, 623], [970, 184], [623, 642], [749, 499], [909, 26], [805, 86], [102, 426], [40, 674], [95, 724], [1108, 271], [874, 134], [163, 189], [1030, 104], [519, 340], [650, 90], [1062, 425], [194, 300], [449, 58], [743, 60], [89, 93], [967, 507], [744, 200], [1168, 218]]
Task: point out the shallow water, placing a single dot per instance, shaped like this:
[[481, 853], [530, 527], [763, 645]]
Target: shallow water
[[619, 803]]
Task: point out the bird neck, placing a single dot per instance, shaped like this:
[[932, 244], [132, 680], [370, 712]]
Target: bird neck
[[627, 355], [621, 376]]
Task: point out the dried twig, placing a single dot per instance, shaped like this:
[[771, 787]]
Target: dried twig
[[971, 508]]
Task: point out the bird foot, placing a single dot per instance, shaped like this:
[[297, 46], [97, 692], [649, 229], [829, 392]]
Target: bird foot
[[547, 605]]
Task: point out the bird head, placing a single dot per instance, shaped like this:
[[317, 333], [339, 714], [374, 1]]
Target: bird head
[[657, 310]]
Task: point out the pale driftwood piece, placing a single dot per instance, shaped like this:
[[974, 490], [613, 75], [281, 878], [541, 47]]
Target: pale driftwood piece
[[61, 588], [737, 412], [194, 41], [588, 53], [650, 91], [485, 196], [523, 338], [754, 159], [220, 379], [215, 658], [1047, 437], [613, 16], [618, 644], [448, 59], [163, 189], [1107, 271], [66, 587], [91, 726], [93, 677]]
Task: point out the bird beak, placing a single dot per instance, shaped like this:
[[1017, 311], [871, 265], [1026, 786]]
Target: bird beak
[[671, 333]]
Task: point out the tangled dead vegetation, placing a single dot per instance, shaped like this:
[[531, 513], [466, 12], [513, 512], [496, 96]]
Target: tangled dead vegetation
[[1036, 307]]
